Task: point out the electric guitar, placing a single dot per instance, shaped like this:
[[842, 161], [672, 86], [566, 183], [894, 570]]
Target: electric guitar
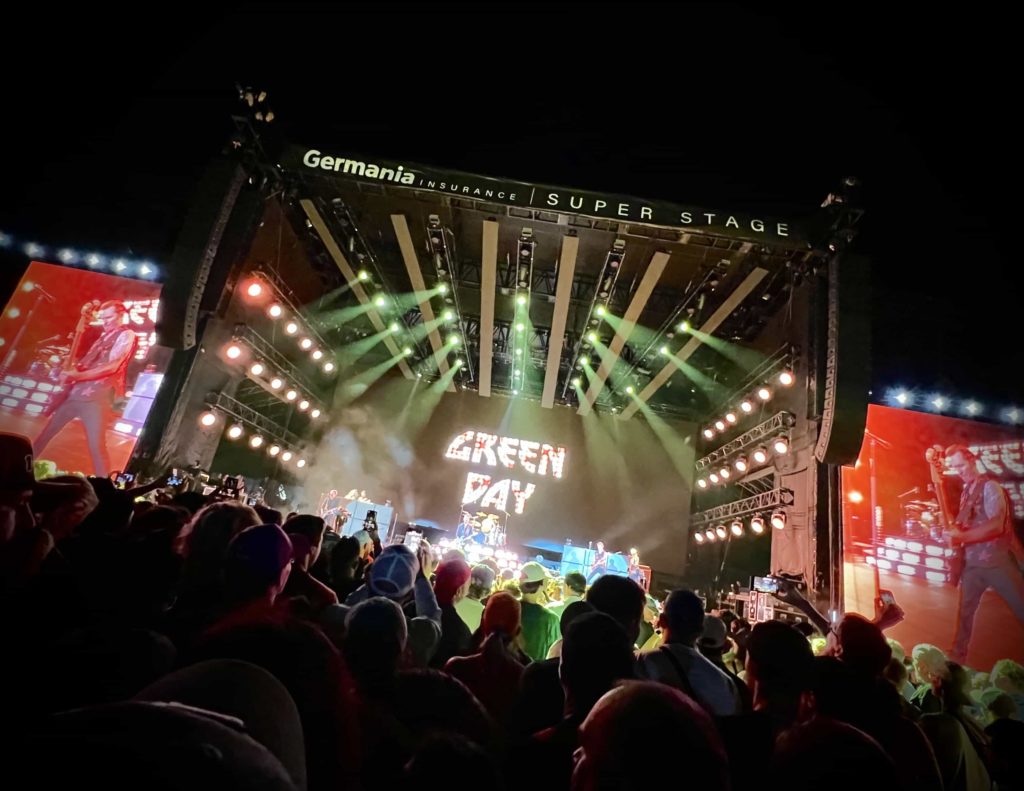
[[84, 320], [936, 458]]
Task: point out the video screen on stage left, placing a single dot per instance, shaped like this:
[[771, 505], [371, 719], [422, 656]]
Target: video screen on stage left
[[932, 514], [79, 367]]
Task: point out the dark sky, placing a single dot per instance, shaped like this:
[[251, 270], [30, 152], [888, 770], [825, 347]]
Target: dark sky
[[107, 127]]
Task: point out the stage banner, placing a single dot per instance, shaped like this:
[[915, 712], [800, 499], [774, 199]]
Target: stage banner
[[79, 366]]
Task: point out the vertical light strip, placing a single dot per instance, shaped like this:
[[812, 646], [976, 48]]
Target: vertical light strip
[[488, 289]]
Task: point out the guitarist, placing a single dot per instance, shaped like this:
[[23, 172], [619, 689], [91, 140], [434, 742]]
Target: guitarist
[[93, 382], [984, 530]]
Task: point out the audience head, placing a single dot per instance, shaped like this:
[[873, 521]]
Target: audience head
[[451, 581], [779, 667], [1008, 676], [575, 584], [573, 611], [827, 754], [861, 645], [895, 673], [622, 599], [207, 536], [344, 559], [713, 640], [532, 577], [259, 560], [682, 618], [596, 653], [502, 613], [394, 572], [929, 663], [311, 528], [481, 582]]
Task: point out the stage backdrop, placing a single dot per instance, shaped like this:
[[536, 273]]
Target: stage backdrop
[[37, 330], [904, 550], [559, 476]]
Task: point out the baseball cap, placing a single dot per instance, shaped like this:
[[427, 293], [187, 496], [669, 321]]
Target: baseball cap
[[714, 632], [17, 471], [260, 553], [533, 572], [502, 611], [394, 572], [483, 575]]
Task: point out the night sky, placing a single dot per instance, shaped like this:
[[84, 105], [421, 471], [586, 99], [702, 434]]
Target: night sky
[[107, 128]]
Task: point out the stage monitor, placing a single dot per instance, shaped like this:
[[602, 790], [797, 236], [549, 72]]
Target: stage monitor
[[897, 540], [79, 367]]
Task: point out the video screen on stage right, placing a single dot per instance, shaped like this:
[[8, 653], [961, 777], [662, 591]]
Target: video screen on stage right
[[933, 512]]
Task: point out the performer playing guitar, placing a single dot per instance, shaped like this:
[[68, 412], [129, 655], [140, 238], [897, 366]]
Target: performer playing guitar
[[599, 564], [984, 531], [92, 383]]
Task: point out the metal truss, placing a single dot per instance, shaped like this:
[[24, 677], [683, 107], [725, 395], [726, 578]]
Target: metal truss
[[774, 498], [265, 350], [773, 425], [244, 414]]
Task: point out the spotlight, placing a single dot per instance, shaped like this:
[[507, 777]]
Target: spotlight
[[724, 473], [779, 520], [300, 463], [315, 414], [1012, 415], [721, 532], [519, 352], [938, 403], [684, 326], [709, 433], [273, 450], [520, 327], [720, 425], [254, 289], [207, 419], [407, 351], [395, 326], [317, 354], [764, 394], [786, 378], [698, 537], [442, 288], [363, 275], [448, 315], [255, 441], [592, 337], [276, 383], [702, 483], [584, 360], [664, 351], [328, 367], [287, 455], [747, 407], [761, 455], [736, 528], [713, 477], [233, 351], [306, 344], [781, 446], [576, 381], [256, 369], [601, 310], [740, 464], [235, 432], [972, 408], [710, 534], [303, 405], [856, 497], [521, 300], [380, 301], [459, 363], [291, 395], [629, 389], [13, 313], [902, 397], [730, 417], [515, 392], [291, 328], [275, 311], [454, 340]]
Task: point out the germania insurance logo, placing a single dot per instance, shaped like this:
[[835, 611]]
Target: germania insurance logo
[[353, 167]]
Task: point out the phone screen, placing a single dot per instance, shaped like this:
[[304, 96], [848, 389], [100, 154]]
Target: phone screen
[[886, 597], [766, 584], [413, 539]]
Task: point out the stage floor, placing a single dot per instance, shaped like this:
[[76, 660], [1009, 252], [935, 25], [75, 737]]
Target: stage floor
[[69, 448], [931, 615]]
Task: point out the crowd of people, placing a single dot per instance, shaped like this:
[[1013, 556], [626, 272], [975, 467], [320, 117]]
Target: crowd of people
[[172, 642]]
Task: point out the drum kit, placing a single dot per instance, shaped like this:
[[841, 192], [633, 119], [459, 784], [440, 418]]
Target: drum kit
[[481, 528], [48, 363]]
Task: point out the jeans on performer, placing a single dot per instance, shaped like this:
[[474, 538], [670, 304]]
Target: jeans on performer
[[599, 571], [93, 414], [1005, 579]]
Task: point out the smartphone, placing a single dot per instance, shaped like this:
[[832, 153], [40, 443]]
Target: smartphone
[[123, 479], [765, 585], [886, 597], [176, 477], [413, 539]]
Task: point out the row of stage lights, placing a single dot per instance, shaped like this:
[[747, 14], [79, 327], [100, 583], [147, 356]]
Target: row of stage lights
[[257, 290], [235, 431], [763, 394], [940, 404], [119, 265], [238, 352], [780, 446], [737, 530]]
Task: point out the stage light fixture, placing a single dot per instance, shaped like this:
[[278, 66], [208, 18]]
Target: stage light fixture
[[287, 455], [786, 378], [256, 369], [275, 311], [276, 383], [721, 532], [761, 455], [67, 255], [710, 534], [273, 450], [120, 265], [764, 393], [442, 288], [702, 483], [576, 381], [521, 300], [520, 327], [363, 275], [255, 441], [757, 524], [407, 351], [291, 395], [779, 519], [736, 528], [972, 408], [291, 328], [592, 337], [1012, 415], [515, 392], [709, 433], [781, 446], [725, 473], [448, 315], [629, 389], [747, 407], [303, 405], [601, 310], [459, 363], [328, 367], [306, 344], [395, 327], [93, 261], [740, 464], [315, 414], [254, 289], [454, 340], [664, 351], [584, 360], [713, 477], [207, 419], [730, 417], [317, 354], [720, 425], [902, 397], [235, 432], [380, 301], [855, 497], [300, 463], [698, 537]]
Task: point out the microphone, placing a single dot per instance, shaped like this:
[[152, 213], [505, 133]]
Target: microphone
[[44, 293]]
